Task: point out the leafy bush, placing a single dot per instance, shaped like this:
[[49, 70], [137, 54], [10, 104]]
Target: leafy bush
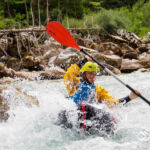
[[140, 17], [146, 14], [111, 20]]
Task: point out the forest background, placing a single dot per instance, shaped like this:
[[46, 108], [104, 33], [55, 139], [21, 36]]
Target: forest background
[[108, 15]]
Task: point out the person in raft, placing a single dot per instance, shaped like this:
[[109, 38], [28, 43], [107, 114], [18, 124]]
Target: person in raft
[[84, 89]]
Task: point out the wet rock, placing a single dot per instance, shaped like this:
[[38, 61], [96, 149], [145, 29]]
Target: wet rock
[[94, 46], [144, 70], [131, 55], [108, 52], [113, 69], [112, 60], [144, 48], [115, 39], [32, 63], [144, 57], [129, 52], [144, 60], [66, 58], [4, 59], [132, 38], [5, 72], [50, 45], [130, 65], [12, 97], [109, 46], [14, 63], [96, 38], [50, 53], [52, 73]]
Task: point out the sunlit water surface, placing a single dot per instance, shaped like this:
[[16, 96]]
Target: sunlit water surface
[[36, 129]]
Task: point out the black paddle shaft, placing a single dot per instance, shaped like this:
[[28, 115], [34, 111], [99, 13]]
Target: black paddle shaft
[[111, 73]]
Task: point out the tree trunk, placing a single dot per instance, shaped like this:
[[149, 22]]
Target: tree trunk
[[32, 13], [27, 15], [39, 12], [47, 12], [67, 15], [8, 8]]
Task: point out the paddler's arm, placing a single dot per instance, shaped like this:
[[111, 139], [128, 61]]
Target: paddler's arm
[[71, 79], [103, 96], [127, 99]]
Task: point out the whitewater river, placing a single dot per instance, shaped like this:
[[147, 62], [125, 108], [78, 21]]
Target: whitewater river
[[36, 128]]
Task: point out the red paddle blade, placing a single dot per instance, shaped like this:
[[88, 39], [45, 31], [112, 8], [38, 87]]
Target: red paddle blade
[[61, 35]]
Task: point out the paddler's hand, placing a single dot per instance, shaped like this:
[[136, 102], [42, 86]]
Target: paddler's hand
[[133, 96]]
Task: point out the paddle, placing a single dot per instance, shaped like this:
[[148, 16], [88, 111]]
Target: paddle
[[61, 35]]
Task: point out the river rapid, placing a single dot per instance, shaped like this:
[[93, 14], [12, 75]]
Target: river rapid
[[36, 128]]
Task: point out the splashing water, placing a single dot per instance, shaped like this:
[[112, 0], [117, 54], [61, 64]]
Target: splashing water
[[36, 129]]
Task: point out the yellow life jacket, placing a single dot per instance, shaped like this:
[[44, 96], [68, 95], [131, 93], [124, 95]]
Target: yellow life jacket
[[71, 82]]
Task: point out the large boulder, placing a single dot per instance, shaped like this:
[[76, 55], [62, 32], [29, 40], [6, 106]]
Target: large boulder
[[144, 60], [50, 54], [8, 72], [14, 63], [112, 60], [129, 52], [50, 45], [32, 63], [66, 58], [5, 72], [52, 73], [130, 65], [113, 69], [109, 46], [144, 48]]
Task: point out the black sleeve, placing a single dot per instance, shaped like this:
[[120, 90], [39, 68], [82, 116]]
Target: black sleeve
[[82, 62], [124, 100]]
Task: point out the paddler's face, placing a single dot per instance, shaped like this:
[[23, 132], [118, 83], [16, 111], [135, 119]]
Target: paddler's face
[[91, 76]]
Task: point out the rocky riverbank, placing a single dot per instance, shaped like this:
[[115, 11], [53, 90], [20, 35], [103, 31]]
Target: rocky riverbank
[[33, 55]]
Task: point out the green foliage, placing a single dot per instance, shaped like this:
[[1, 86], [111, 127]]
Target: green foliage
[[140, 17], [111, 20], [146, 13], [7, 23]]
